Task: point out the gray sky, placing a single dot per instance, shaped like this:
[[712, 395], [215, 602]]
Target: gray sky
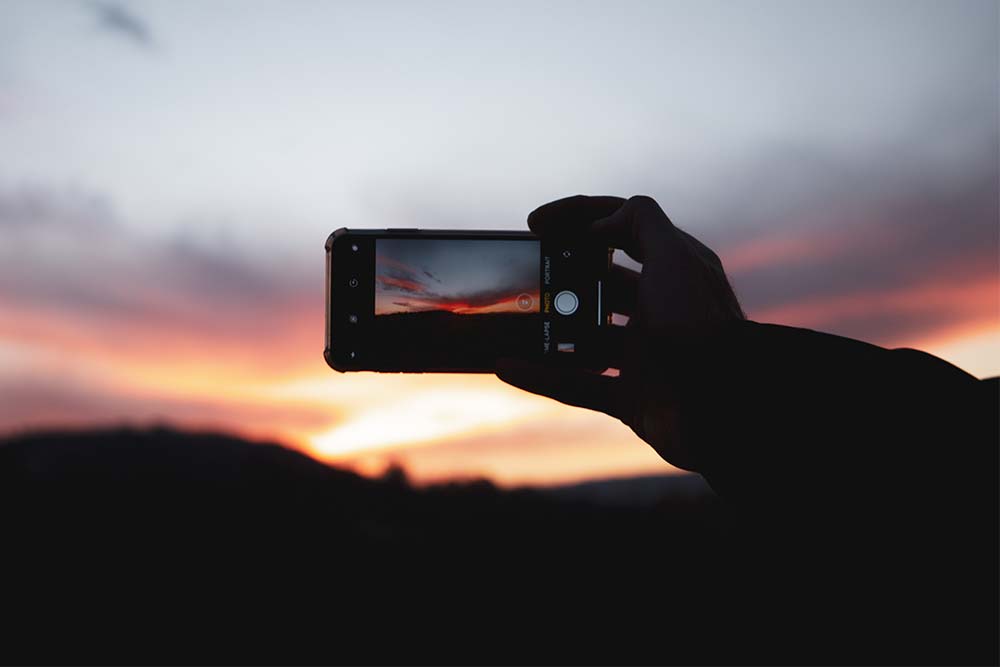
[[245, 131]]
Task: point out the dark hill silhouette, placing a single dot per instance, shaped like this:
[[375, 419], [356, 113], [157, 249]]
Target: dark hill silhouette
[[165, 470], [156, 545], [253, 552]]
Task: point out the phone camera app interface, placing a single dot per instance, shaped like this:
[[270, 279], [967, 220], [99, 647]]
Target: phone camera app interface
[[456, 302]]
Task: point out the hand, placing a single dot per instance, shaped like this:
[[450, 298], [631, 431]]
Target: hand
[[681, 294]]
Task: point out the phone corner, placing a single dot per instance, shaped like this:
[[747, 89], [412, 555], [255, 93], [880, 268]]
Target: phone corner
[[332, 238], [331, 361]]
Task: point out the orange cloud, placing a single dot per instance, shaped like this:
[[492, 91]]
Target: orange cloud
[[974, 304], [780, 251], [402, 283]]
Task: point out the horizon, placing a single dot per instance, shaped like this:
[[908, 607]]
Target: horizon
[[170, 176], [393, 470]]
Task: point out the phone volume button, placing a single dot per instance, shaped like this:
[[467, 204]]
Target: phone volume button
[[402, 229]]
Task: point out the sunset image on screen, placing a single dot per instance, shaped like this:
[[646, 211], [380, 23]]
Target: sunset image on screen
[[459, 276]]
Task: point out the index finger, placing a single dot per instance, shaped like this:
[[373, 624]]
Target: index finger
[[639, 227], [571, 216], [572, 386]]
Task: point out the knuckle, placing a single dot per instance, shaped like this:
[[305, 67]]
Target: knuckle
[[643, 202], [645, 208]]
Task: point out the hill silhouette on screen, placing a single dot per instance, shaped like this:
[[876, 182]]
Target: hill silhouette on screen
[[442, 339]]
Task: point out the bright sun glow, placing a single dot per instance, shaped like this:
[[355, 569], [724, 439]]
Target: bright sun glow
[[433, 416], [977, 352]]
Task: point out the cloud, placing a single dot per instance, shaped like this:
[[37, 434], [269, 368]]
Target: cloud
[[31, 400], [400, 279], [404, 285], [34, 207], [100, 323], [72, 274], [891, 248], [117, 20]]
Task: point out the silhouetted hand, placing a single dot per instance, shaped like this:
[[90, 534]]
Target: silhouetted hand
[[858, 470], [681, 295]]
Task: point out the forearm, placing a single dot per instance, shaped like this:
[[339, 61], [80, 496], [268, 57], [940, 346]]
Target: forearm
[[771, 409]]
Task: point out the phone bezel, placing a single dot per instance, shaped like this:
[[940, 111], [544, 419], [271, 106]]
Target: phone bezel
[[364, 292]]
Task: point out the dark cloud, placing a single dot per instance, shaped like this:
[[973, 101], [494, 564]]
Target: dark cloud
[[394, 281], [117, 20], [33, 207], [893, 243], [47, 400], [805, 230], [66, 257]]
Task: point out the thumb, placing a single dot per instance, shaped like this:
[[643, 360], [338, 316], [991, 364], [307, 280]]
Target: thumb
[[572, 386]]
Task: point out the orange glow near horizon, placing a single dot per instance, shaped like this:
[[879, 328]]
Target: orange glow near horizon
[[69, 369], [507, 304], [967, 298], [437, 427]]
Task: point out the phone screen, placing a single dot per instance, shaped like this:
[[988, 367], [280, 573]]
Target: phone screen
[[412, 300], [455, 302], [418, 279]]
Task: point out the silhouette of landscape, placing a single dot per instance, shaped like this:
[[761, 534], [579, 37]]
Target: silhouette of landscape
[[182, 539], [125, 543]]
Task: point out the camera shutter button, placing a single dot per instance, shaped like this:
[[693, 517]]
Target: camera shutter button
[[566, 302]]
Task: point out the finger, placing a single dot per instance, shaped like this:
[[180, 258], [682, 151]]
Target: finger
[[612, 343], [639, 227], [728, 304], [706, 254], [571, 386], [623, 290], [571, 216]]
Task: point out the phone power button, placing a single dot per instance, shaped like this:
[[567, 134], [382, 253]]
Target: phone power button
[[566, 302]]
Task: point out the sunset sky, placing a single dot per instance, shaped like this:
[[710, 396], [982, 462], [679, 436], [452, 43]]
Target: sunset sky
[[169, 172], [462, 276]]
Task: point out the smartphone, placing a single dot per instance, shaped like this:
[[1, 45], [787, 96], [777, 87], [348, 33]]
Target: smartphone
[[411, 300]]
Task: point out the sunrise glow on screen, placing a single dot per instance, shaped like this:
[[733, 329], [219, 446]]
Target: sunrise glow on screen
[[461, 276]]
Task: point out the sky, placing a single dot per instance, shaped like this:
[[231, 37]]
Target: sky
[[462, 276], [169, 172]]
